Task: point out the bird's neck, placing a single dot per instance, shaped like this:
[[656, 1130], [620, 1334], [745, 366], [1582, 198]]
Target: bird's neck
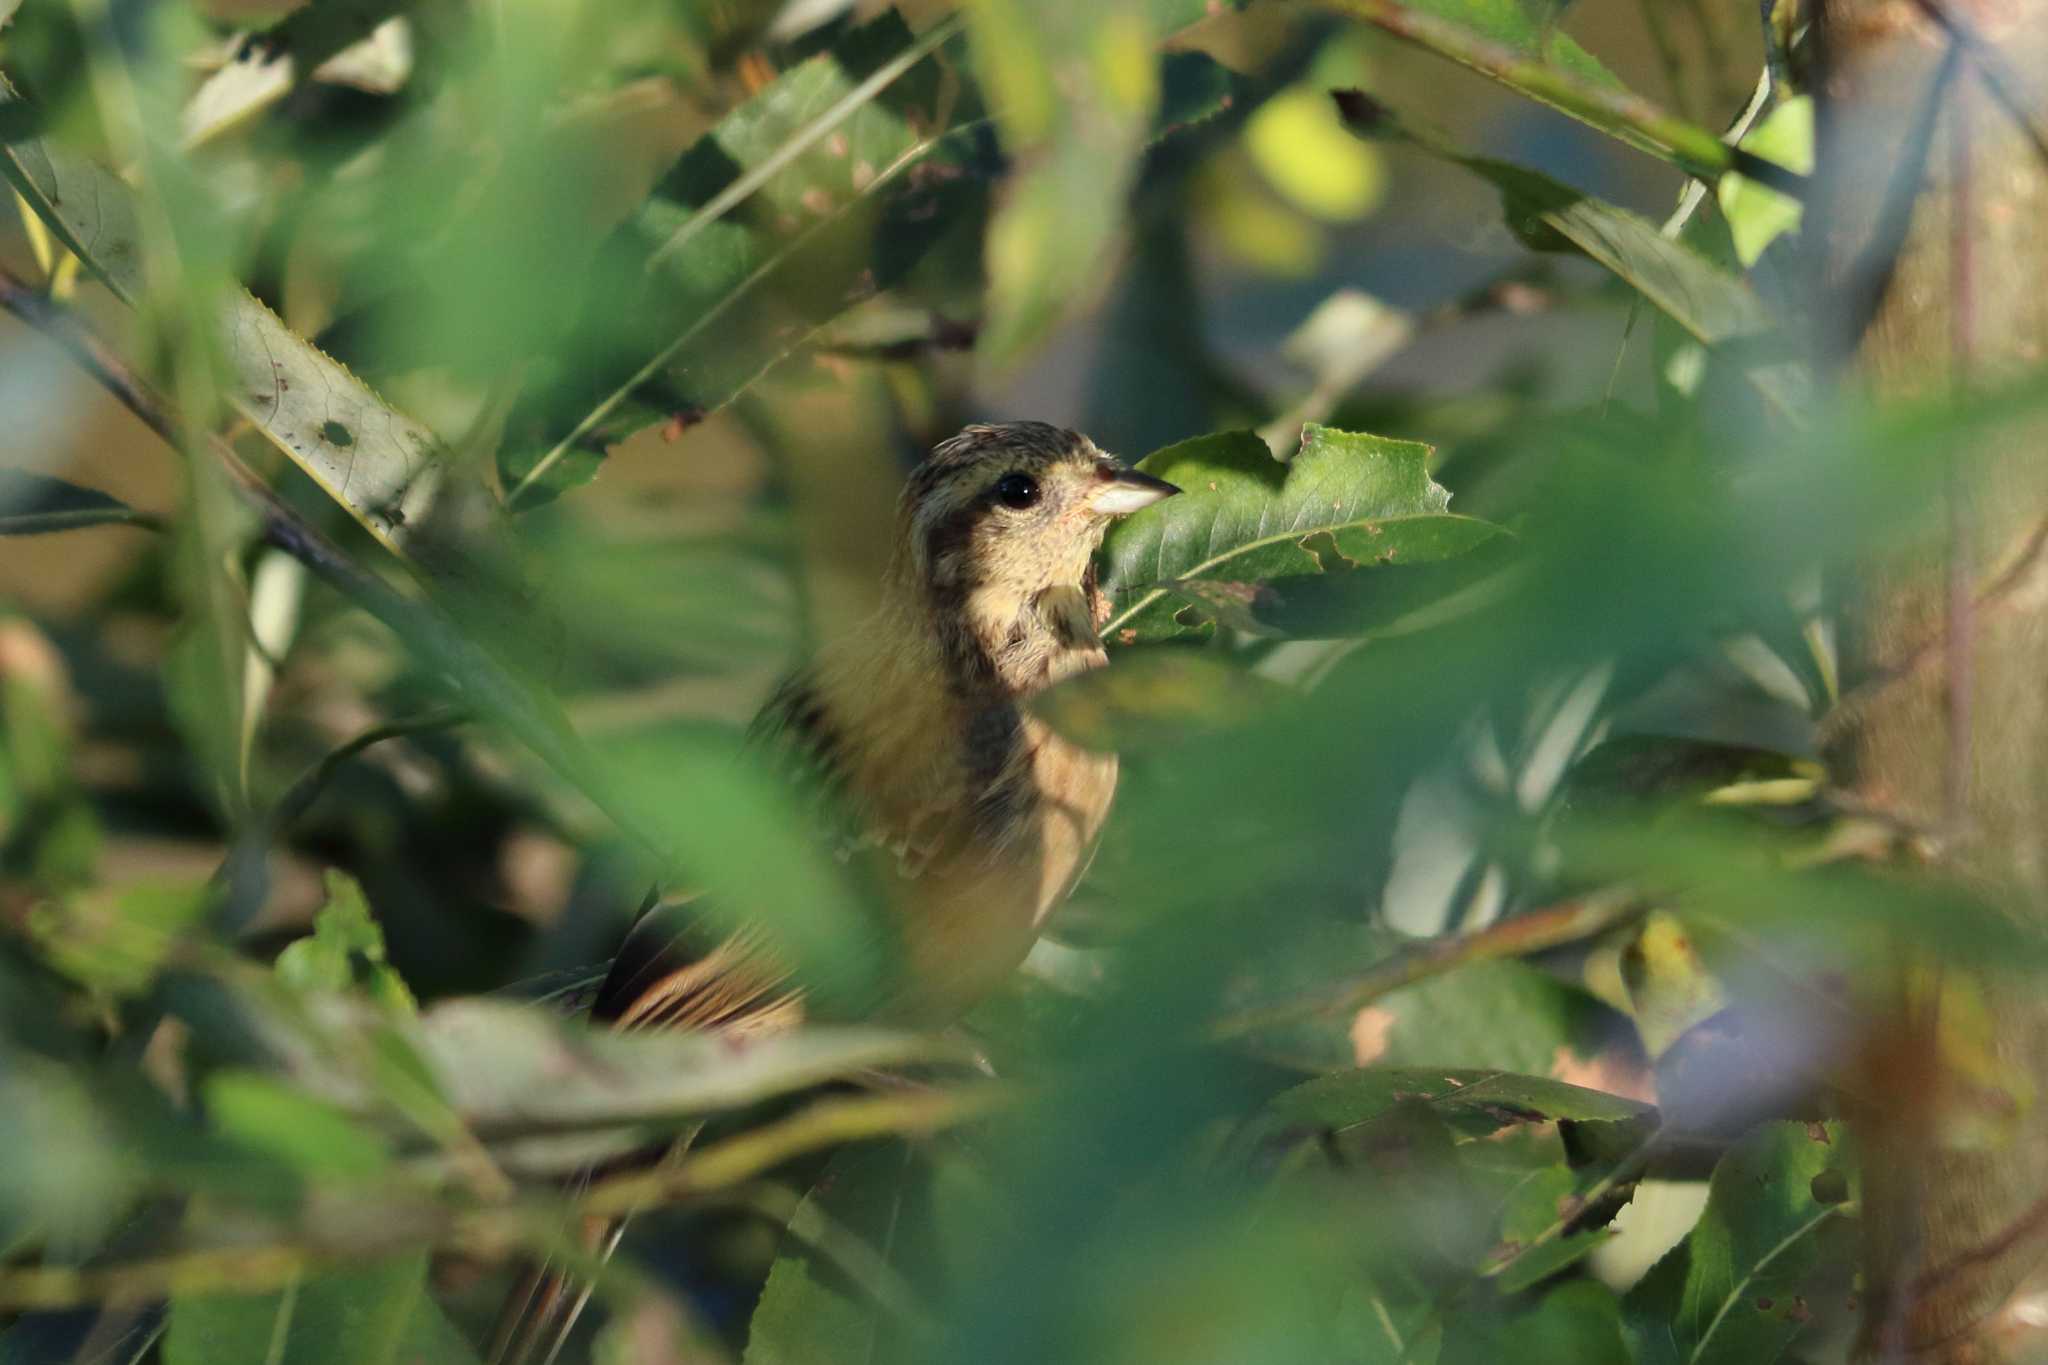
[[1009, 642]]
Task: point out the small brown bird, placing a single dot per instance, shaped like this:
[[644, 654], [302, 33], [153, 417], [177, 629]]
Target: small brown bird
[[972, 816]]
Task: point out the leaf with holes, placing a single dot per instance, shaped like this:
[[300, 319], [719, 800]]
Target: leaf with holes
[[1733, 1290], [1244, 519], [369, 457]]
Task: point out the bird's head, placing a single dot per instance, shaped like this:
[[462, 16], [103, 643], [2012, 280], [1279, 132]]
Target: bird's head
[[1016, 508]]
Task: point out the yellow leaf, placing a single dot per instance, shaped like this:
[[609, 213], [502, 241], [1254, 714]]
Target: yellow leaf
[[1303, 151]]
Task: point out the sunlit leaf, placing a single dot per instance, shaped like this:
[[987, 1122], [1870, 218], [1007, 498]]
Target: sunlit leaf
[[1073, 88], [1757, 214], [379, 464], [1245, 519], [346, 949], [1300, 147]]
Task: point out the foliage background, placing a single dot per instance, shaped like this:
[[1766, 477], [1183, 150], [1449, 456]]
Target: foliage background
[[1482, 959]]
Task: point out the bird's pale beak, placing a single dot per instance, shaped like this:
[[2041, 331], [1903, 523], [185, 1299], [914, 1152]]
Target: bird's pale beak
[[1120, 491]]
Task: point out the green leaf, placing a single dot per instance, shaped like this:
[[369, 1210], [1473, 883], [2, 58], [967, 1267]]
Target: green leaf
[[1514, 43], [514, 1072], [1531, 1267], [847, 167], [1710, 303], [309, 1135], [1074, 87], [1499, 1014], [1528, 28], [1730, 1293], [811, 1312], [1475, 1103], [376, 1315], [117, 939], [1757, 214], [1244, 519], [35, 504], [69, 1175], [345, 950], [1577, 1322], [380, 465]]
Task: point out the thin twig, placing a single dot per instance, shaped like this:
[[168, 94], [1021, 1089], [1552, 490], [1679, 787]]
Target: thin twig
[[299, 797], [826, 1124], [1517, 936], [492, 1230], [57, 322]]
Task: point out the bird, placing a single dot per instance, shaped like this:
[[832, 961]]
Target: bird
[[969, 817]]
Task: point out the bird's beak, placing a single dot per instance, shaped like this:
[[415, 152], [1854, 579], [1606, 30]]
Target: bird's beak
[[1120, 491]]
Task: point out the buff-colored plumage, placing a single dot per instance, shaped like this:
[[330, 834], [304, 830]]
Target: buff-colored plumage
[[968, 816]]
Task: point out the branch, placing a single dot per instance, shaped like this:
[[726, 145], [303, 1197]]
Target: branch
[[826, 1124], [57, 322], [1993, 600], [1998, 79]]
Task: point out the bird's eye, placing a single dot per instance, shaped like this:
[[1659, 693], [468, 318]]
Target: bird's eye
[[1017, 490]]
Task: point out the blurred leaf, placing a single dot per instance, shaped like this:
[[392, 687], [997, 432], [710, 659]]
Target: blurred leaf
[[1494, 1014], [1245, 519], [377, 1315], [1757, 214], [1300, 147], [1518, 45], [1073, 86], [346, 950], [1710, 303], [263, 68], [512, 1071], [1527, 28], [858, 161], [1578, 1322], [1718, 875], [34, 504], [1155, 698], [207, 669], [1476, 1103], [68, 1175], [307, 1134], [1731, 1291], [116, 939], [811, 1312]]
